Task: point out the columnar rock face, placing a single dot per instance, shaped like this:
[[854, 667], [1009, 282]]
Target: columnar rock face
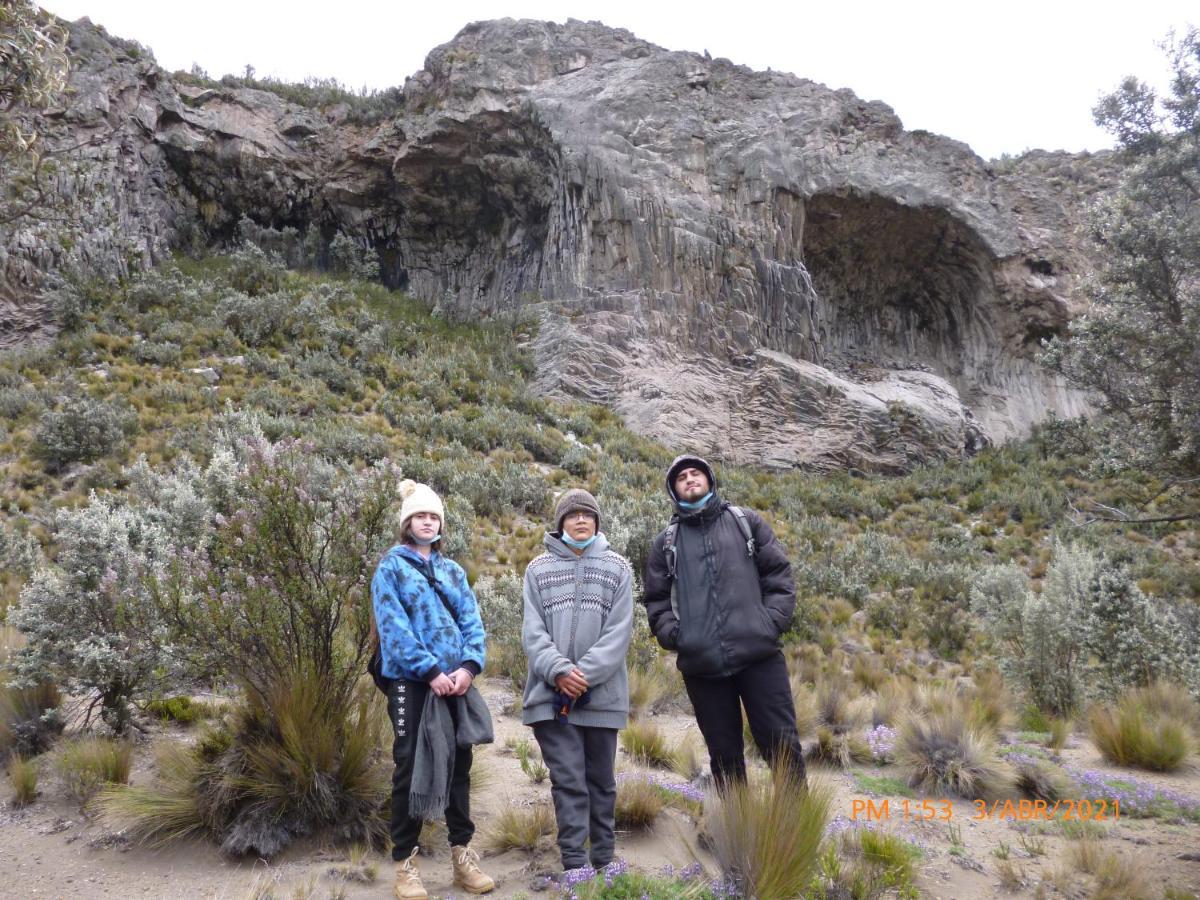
[[745, 263]]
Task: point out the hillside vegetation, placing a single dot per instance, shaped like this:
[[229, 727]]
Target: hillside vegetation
[[202, 471]]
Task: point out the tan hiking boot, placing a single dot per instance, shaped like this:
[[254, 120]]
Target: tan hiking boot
[[408, 880], [466, 871]]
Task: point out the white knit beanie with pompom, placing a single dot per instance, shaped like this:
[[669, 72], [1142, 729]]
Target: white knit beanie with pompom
[[419, 498]]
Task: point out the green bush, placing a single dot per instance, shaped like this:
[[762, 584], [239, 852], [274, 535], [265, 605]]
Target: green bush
[[80, 430]]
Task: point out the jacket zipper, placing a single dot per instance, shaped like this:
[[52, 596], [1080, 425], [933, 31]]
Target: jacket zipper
[[574, 611]]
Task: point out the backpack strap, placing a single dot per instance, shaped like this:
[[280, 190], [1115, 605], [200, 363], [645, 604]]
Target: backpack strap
[[669, 548], [739, 516]]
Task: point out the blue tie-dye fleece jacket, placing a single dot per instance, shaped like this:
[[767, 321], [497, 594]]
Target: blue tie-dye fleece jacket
[[418, 637]]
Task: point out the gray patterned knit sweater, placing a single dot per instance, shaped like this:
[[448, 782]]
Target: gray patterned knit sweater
[[578, 612]]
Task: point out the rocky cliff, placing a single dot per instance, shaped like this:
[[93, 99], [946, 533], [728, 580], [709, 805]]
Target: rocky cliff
[[744, 263]]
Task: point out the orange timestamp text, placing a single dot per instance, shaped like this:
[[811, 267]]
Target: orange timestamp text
[[1023, 810]]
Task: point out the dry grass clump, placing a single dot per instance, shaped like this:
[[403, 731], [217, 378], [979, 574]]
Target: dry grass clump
[[645, 689], [805, 703], [269, 775], [517, 828], [842, 750], [684, 757], [644, 742], [869, 672], [892, 700], [91, 763], [944, 753], [1116, 877], [639, 803], [23, 776], [1060, 730], [1039, 781], [1134, 735], [766, 833], [1169, 701], [835, 709]]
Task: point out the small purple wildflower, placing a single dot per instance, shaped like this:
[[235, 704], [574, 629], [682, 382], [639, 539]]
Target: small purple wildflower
[[882, 741]]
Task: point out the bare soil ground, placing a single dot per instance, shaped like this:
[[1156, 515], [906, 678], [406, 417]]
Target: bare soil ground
[[53, 849]]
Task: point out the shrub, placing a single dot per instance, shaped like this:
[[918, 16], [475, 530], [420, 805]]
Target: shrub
[[1040, 637], [283, 592], [1133, 736], [23, 777], [766, 833], [517, 828], [90, 622], [502, 607], [80, 430], [1133, 638], [88, 764], [943, 753], [30, 718]]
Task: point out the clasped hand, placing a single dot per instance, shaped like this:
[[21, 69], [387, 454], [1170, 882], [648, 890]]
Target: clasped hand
[[573, 683], [453, 685]]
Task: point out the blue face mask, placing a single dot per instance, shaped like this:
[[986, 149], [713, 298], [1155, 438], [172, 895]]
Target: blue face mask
[[423, 542], [695, 504], [578, 545]]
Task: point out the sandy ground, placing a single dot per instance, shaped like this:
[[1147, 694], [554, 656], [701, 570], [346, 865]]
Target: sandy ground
[[52, 849]]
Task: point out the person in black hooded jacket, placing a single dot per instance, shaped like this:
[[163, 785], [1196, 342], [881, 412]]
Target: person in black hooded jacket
[[721, 601]]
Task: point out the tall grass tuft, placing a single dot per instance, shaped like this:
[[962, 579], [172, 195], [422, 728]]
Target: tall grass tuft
[[1060, 731], [171, 808], [517, 828], [684, 757], [766, 832], [639, 803], [944, 753], [1116, 877], [842, 750], [644, 742], [645, 689], [89, 764], [1132, 735], [292, 766], [23, 776]]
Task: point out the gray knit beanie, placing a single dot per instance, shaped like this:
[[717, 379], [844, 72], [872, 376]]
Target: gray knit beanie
[[575, 500]]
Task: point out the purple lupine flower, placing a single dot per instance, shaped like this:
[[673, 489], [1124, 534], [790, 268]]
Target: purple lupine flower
[[882, 741]]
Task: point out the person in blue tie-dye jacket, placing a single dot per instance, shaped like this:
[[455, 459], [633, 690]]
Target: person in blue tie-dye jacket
[[431, 639]]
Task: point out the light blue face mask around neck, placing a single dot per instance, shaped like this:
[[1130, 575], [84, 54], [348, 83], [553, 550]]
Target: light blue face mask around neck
[[425, 543], [578, 545], [695, 504]]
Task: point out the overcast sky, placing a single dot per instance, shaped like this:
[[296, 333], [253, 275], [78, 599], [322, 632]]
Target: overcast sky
[[1002, 76]]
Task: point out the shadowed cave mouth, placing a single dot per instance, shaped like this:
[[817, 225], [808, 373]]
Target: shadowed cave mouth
[[898, 286]]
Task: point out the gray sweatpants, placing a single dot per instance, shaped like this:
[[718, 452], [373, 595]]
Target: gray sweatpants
[[581, 761]]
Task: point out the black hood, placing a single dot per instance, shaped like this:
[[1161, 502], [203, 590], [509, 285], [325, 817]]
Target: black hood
[[687, 460]]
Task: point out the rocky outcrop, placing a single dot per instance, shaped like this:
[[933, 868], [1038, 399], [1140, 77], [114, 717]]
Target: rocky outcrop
[[744, 263]]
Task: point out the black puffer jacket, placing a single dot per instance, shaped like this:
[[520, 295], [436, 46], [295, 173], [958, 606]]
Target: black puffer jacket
[[730, 608]]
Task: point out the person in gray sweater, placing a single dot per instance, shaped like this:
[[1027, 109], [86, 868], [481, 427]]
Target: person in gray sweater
[[578, 620]]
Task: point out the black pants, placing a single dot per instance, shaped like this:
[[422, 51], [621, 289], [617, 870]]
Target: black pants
[[406, 702], [763, 689]]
